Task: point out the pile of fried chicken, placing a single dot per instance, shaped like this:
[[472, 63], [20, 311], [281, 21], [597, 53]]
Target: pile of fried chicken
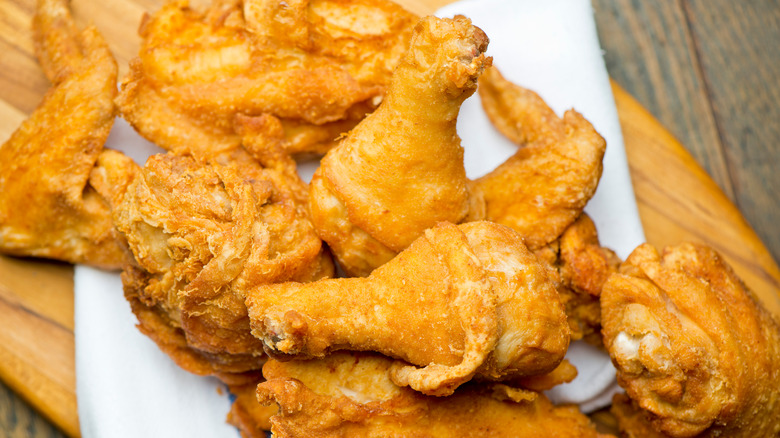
[[391, 296]]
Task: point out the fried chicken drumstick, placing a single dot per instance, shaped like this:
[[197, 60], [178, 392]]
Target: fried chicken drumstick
[[49, 205], [349, 395], [400, 171], [693, 347], [461, 300]]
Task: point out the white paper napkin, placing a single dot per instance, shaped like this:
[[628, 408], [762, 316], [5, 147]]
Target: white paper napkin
[[127, 388]]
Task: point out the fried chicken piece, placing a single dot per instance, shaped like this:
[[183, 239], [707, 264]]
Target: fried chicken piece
[[49, 207], [318, 65], [400, 171], [581, 267], [542, 189], [692, 345], [202, 235], [349, 395], [632, 421], [59, 46], [461, 300], [250, 417]]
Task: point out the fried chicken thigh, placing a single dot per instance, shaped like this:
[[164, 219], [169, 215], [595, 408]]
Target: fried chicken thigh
[[461, 300], [400, 171], [49, 207], [203, 234], [317, 65], [542, 189], [349, 395], [693, 347]]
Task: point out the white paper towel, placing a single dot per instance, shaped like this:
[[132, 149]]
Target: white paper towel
[[126, 387]]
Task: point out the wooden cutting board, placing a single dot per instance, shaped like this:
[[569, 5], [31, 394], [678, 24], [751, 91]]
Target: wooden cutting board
[[677, 201]]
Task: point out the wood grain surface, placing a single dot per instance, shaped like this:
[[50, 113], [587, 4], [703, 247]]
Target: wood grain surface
[[710, 71], [706, 71]]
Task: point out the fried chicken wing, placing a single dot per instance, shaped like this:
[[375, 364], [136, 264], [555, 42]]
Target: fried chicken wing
[[204, 233], [542, 189], [461, 300], [318, 65], [400, 171], [48, 205], [693, 347], [349, 395]]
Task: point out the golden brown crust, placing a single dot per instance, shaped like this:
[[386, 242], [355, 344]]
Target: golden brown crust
[[317, 64], [400, 171], [692, 345], [202, 234], [348, 395], [459, 301], [251, 418], [580, 268], [48, 205], [543, 188], [632, 421]]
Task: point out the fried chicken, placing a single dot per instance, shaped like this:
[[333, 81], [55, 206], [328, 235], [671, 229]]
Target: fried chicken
[[250, 417], [580, 266], [693, 347], [632, 421], [542, 189], [203, 234], [49, 207], [400, 171], [349, 395], [317, 65], [461, 300]]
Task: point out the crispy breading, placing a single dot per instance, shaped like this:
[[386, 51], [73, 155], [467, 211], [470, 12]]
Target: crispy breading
[[318, 65], [349, 395], [580, 267], [400, 171], [692, 345], [461, 301], [48, 205], [543, 188], [203, 234], [250, 417]]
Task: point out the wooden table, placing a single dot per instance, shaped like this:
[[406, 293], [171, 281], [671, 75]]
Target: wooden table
[[706, 69]]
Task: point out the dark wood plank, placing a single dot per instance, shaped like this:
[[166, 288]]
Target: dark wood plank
[[738, 45], [649, 51], [19, 420]]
